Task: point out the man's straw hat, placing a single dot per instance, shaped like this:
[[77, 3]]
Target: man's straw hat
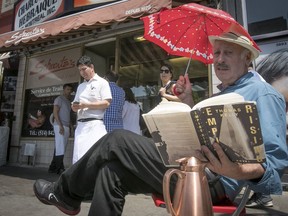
[[236, 39]]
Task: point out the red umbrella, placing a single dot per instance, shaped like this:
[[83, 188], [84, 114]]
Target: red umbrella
[[184, 30]]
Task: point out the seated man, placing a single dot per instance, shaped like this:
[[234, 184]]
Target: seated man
[[123, 162]]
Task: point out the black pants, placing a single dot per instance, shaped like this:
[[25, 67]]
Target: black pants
[[118, 163], [57, 163]]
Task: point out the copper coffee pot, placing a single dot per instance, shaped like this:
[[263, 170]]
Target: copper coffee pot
[[192, 195]]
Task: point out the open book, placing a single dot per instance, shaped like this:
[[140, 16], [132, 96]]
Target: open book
[[178, 130]]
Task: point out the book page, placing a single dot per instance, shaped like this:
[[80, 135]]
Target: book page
[[220, 99], [174, 135], [169, 107]]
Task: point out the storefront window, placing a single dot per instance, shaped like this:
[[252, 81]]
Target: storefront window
[[266, 16], [45, 77], [139, 65]]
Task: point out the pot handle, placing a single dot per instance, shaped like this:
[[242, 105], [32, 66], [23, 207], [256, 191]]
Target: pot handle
[[177, 193]]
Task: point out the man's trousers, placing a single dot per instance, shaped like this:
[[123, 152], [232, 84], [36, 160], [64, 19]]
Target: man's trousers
[[120, 162]]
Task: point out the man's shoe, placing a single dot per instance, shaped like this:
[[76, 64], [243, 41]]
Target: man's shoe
[[44, 191], [259, 200]]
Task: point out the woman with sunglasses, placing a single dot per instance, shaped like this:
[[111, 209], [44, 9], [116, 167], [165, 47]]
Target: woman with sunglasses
[[166, 75]]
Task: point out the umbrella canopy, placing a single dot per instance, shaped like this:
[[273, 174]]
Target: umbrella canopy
[[184, 30]]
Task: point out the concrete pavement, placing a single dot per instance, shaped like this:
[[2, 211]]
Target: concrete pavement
[[17, 197]]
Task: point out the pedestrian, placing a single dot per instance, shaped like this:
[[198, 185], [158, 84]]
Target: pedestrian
[[92, 98], [273, 69], [62, 126], [113, 115], [131, 112], [123, 162]]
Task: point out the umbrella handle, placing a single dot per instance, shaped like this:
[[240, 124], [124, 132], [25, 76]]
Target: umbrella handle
[[187, 67]]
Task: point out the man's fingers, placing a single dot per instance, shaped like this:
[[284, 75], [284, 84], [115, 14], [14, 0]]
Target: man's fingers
[[221, 154], [200, 156], [211, 157], [187, 81]]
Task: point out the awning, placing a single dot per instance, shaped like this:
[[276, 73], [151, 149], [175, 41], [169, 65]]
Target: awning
[[80, 22]]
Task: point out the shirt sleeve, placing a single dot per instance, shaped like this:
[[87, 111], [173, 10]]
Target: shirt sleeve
[[57, 101], [106, 91], [76, 98]]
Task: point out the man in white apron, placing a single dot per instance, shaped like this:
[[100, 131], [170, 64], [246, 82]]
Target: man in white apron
[[92, 98]]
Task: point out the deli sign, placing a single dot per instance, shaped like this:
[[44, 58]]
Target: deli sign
[[31, 12]]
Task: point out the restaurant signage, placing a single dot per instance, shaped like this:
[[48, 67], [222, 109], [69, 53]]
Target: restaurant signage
[[30, 12], [57, 68]]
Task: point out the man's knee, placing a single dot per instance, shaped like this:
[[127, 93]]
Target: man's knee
[[120, 133]]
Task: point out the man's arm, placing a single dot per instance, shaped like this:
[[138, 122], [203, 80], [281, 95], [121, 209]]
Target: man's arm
[[92, 105]]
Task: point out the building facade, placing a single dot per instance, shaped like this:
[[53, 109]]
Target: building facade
[[38, 59]]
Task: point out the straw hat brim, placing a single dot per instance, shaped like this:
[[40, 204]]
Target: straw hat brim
[[236, 39]]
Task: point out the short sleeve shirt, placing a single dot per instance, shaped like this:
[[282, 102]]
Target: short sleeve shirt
[[96, 89], [64, 112]]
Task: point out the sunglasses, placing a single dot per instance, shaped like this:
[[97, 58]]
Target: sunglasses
[[164, 71]]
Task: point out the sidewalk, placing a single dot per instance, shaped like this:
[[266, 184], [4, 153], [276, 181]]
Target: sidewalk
[[17, 197]]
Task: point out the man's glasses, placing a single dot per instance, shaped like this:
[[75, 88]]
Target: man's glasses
[[164, 71]]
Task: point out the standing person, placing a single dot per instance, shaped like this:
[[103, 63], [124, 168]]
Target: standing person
[[92, 98], [113, 115], [273, 69], [166, 75], [123, 162], [61, 125], [131, 112]]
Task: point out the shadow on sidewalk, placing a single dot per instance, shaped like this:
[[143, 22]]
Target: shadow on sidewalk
[[28, 172]]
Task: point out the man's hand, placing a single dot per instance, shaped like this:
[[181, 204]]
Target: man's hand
[[61, 130], [183, 90], [76, 106], [224, 166]]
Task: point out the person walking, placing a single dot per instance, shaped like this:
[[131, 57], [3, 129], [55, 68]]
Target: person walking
[[113, 115], [123, 162], [92, 98], [61, 125]]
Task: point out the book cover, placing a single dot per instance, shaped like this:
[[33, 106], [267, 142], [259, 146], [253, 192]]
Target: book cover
[[178, 130]]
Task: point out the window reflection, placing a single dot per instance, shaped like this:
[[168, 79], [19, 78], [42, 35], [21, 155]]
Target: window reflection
[[139, 64], [269, 17]]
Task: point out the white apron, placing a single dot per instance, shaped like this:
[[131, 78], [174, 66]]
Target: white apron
[[86, 135], [61, 140]]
